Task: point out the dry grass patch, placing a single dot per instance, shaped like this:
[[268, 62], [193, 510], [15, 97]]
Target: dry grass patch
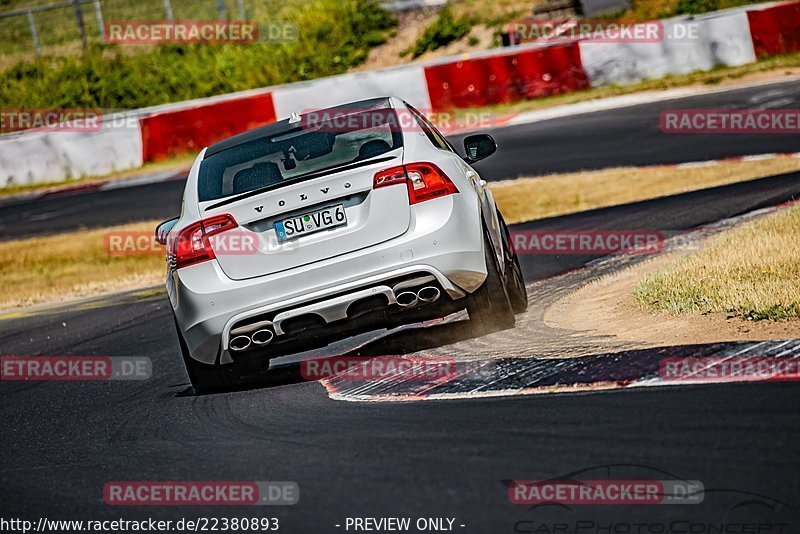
[[495, 13], [76, 264], [527, 199], [751, 272]]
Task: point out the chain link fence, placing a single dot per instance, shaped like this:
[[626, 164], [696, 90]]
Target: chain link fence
[[60, 28], [72, 25]]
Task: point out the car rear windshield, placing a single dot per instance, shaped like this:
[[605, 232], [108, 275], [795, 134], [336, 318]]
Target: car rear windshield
[[316, 143]]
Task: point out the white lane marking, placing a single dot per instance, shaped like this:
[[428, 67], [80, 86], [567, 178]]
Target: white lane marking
[[141, 180], [776, 104], [759, 157], [698, 164], [635, 99], [766, 96]]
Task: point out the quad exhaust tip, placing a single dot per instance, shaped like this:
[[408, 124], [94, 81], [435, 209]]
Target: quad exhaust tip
[[429, 294], [260, 337], [406, 299], [263, 337], [240, 343]]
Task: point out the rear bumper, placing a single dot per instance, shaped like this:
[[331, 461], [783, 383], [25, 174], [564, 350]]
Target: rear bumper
[[444, 240]]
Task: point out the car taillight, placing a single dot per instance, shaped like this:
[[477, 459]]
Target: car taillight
[[394, 175], [425, 181], [191, 245]]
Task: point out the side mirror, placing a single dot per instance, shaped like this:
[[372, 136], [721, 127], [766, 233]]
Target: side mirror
[[478, 147], [163, 230]]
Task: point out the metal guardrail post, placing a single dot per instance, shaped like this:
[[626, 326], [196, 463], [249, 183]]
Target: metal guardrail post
[[100, 25], [34, 33], [221, 9], [242, 13], [168, 9], [81, 26]]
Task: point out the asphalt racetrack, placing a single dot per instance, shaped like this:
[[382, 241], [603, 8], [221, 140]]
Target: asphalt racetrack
[[434, 459], [618, 137]]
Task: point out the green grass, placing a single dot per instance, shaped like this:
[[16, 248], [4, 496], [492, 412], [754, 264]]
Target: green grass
[[444, 29], [334, 36], [58, 31], [657, 9]]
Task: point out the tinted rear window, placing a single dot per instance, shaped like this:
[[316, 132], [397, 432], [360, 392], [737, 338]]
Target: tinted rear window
[[312, 145]]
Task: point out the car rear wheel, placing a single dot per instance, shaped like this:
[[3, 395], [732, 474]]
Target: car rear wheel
[[489, 307], [207, 378], [515, 287]]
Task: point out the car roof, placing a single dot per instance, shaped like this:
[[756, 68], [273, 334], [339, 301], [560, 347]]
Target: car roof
[[284, 125]]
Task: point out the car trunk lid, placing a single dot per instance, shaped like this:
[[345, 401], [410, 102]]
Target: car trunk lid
[[373, 216]]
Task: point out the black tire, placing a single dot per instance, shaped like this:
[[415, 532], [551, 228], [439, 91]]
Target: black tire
[[515, 287], [207, 378], [489, 307]]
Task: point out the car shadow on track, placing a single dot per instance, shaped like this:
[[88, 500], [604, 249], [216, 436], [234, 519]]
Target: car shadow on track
[[417, 339], [406, 341]]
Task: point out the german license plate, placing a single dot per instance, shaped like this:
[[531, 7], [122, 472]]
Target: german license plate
[[308, 223]]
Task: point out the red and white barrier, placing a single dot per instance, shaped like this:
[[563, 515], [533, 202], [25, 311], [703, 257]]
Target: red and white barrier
[[42, 157], [722, 39], [191, 128], [775, 29], [731, 37], [507, 76], [407, 83]]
